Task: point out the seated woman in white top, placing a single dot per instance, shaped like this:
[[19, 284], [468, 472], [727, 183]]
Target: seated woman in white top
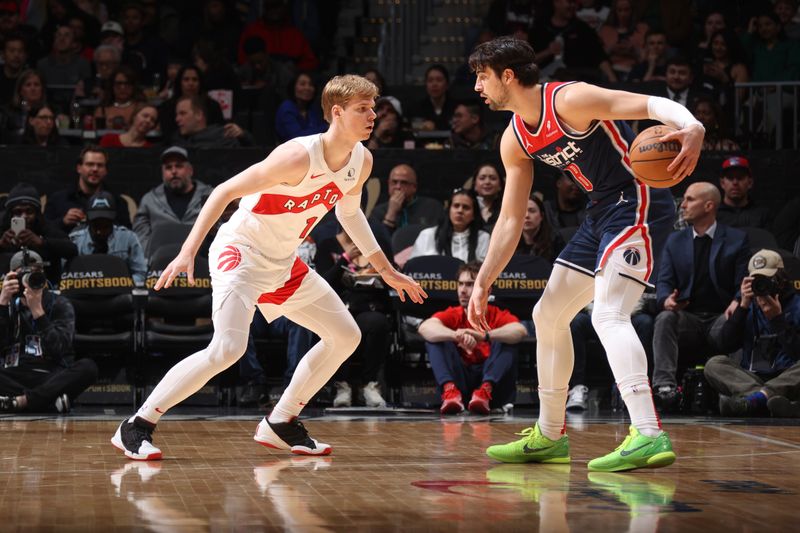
[[459, 235]]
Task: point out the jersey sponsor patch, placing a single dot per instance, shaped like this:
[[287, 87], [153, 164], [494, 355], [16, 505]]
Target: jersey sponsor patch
[[229, 258], [277, 204]]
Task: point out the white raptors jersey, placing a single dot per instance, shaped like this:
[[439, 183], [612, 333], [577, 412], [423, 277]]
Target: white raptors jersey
[[277, 221]]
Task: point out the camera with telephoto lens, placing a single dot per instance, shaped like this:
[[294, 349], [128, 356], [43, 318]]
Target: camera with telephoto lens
[[30, 273], [766, 285]]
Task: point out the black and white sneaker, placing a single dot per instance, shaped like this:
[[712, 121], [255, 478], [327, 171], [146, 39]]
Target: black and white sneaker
[[289, 436], [63, 405], [8, 404], [135, 440]]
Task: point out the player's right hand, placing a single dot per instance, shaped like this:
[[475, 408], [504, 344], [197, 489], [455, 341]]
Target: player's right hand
[[183, 263], [476, 309]]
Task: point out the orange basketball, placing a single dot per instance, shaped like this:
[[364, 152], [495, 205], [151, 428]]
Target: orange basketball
[[650, 157]]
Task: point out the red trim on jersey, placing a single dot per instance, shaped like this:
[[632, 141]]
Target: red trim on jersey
[[644, 191], [622, 146], [276, 204], [644, 203], [280, 295], [549, 129], [639, 225]]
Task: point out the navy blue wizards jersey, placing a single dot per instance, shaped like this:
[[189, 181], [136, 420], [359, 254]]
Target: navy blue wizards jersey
[[597, 159]]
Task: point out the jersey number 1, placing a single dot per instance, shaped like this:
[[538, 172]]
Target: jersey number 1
[[309, 225]]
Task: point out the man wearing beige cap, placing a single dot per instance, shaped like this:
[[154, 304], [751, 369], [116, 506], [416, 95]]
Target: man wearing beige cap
[[766, 327]]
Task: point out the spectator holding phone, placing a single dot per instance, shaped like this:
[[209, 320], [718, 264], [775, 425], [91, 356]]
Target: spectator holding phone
[[24, 225]]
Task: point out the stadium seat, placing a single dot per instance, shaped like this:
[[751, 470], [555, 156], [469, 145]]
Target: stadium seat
[[166, 234], [759, 239], [108, 313], [178, 318], [521, 284]]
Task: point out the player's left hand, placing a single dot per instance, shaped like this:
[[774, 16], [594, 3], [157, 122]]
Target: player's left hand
[[476, 309], [691, 139], [404, 285]]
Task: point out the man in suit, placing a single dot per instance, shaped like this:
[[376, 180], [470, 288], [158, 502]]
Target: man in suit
[[702, 266]]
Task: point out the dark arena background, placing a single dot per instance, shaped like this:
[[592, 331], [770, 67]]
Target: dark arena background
[[95, 96]]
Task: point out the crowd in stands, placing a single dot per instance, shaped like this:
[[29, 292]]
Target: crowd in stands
[[263, 61], [143, 74]]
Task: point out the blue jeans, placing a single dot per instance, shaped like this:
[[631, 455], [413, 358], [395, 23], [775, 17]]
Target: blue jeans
[[299, 340], [499, 369]]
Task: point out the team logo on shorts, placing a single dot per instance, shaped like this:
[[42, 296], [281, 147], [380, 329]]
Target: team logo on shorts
[[229, 258], [632, 256]]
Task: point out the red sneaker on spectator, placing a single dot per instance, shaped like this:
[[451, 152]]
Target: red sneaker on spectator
[[479, 404], [451, 400]]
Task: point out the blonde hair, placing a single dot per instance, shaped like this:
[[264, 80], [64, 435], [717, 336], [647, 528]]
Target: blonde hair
[[340, 90]]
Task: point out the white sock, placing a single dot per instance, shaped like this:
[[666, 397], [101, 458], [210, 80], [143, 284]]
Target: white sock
[[638, 397], [552, 409]]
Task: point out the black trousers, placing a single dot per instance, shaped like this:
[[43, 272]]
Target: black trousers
[[42, 384], [373, 349]]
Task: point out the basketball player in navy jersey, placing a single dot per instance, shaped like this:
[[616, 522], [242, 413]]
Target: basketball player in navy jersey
[[580, 129], [253, 263]]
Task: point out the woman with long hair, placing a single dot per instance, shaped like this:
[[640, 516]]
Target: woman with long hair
[[28, 92], [538, 236], [116, 110], [725, 66], [40, 129], [459, 235], [189, 81], [145, 120], [297, 116], [487, 182], [435, 111]]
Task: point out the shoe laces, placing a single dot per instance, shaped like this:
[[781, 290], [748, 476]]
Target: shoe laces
[[528, 433], [300, 427], [631, 434], [452, 394], [143, 433]]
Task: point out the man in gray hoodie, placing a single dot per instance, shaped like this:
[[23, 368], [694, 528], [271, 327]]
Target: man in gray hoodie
[[178, 199]]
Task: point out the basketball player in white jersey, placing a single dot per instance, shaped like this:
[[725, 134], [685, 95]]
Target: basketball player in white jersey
[[253, 263]]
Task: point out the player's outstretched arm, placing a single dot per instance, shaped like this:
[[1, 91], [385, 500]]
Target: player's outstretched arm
[[581, 104], [354, 223], [507, 230], [288, 163]]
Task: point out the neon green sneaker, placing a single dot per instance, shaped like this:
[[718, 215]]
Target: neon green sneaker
[[533, 447], [636, 451]]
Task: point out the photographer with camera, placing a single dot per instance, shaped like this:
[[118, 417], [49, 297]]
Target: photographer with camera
[[36, 330], [24, 226], [766, 327]]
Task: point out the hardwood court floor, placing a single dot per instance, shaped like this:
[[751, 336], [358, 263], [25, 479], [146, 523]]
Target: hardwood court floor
[[398, 474]]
